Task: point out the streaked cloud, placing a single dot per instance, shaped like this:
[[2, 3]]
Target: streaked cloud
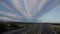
[[21, 9], [32, 9], [52, 16], [6, 6], [8, 19], [12, 15]]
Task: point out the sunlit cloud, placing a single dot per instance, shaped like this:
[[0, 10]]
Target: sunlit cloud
[[41, 4], [52, 16], [32, 9], [47, 7], [21, 9], [8, 19], [12, 15]]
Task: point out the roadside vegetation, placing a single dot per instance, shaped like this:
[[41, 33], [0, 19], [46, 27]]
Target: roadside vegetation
[[7, 26]]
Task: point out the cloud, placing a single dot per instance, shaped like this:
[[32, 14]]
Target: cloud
[[12, 15], [6, 5], [23, 11], [39, 6], [47, 7], [30, 9], [8, 19]]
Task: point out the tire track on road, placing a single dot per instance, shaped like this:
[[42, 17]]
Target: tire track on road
[[47, 30]]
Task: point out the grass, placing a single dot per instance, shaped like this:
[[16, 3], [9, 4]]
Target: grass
[[22, 25], [35, 30]]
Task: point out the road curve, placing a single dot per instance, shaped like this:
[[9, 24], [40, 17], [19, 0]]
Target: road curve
[[18, 31], [44, 29]]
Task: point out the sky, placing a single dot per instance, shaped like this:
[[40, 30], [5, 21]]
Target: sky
[[52, 16], [30, 10]]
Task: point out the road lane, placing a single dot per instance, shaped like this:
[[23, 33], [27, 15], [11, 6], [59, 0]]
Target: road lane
[[46, 30], [18, 31], [38, 29]]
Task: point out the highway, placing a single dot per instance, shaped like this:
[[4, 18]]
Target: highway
[[19, 31], [42, 29], [46, 30]]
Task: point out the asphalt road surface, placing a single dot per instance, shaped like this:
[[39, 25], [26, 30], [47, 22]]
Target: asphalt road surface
[[18, 31], [44, 30]]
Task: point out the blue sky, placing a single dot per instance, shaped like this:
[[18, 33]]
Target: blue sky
[[52, 16], [30, 10]]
